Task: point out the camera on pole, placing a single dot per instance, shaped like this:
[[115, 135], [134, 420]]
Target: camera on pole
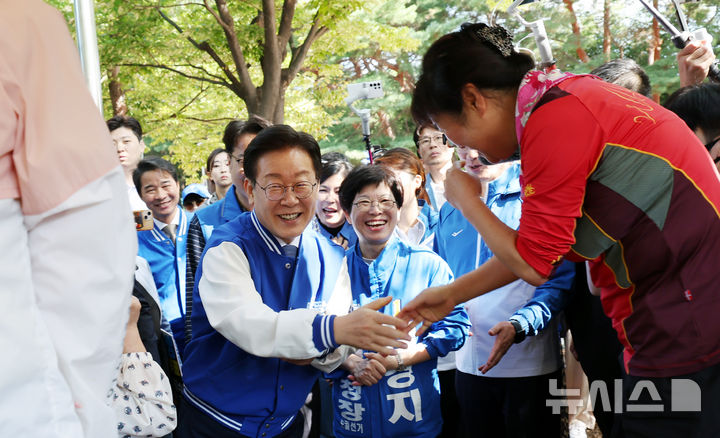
[[359, 91]]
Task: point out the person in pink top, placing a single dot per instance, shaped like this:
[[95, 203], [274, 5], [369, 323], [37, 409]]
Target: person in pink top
[[66, 234]]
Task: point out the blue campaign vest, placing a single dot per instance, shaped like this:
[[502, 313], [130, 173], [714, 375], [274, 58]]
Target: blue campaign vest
[[167, 263], [240, 390], [403, 403], [221, 212]]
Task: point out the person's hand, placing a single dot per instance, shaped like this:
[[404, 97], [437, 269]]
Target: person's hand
[[369, 329], [461, 187], [132, 342], [432, 305], [341, 240], [135, 307], [694, 62], [571, 347], [388, 362], [505, 333], [364, 371]]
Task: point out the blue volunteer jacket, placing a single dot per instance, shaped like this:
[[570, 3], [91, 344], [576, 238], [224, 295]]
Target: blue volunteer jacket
[[253, 395], [220, 212], [404, 403], [167, 263]]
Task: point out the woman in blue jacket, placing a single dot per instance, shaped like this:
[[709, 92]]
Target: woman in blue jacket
[[405, 401], [329, 220]]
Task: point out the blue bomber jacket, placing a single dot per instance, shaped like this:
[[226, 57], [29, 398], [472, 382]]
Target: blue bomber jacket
[[252, 306]]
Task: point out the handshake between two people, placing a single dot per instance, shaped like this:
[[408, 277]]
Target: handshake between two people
[[368, 329]]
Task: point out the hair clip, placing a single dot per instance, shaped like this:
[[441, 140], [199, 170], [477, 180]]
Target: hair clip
[[497, 36]]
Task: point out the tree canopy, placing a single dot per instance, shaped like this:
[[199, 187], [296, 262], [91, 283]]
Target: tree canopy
[[186, 68]]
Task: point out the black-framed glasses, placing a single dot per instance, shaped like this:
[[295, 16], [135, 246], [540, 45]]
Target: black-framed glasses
[[240, 160], [275, 192], [383, 204], [427, 140]]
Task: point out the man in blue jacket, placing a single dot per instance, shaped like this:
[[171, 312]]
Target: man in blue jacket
[[164, 246], [267, 301]]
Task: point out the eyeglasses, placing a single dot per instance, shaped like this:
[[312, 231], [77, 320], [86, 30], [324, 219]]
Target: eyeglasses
[[428, 140], [366, 204], [240, 160], [275, 192]]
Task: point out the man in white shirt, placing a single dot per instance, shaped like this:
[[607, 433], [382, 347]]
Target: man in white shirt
[[126, 134]]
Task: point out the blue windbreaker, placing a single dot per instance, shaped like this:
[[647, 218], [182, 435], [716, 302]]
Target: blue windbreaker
[[404, 403], [167, 263]]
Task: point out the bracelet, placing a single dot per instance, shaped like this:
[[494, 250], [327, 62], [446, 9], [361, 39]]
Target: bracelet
[[401, 364]]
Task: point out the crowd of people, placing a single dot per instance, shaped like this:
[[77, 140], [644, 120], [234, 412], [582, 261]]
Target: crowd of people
[[426, 294]]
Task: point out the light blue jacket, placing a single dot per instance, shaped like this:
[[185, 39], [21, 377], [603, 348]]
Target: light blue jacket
[[404, 403], [218, 213], [167, 263]]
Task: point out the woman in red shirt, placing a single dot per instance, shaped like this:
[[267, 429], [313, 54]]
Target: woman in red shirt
[[608, 176]]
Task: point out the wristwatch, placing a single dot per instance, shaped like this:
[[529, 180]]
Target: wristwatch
[[401, 364], [519, 331]]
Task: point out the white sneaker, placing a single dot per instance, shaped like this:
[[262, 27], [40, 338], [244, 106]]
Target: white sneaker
[[577, 429]]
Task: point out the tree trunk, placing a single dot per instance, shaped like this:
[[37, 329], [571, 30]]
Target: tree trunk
[[279, 113], [117, 94], [656, 42], [607, 36], [582, 55]]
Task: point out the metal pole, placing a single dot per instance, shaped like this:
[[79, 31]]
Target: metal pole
[[87, 45]]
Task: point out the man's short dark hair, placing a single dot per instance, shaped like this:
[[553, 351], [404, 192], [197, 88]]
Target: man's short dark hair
[[125, 122], [253, 125], [368, 175], [699, 107], [626, 73], [150, 164], [277, 138]]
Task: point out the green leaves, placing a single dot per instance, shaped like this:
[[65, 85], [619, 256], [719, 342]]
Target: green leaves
[[184, 98]]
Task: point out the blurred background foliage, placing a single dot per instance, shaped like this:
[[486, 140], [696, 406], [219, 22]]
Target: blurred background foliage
[[154, 59]]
